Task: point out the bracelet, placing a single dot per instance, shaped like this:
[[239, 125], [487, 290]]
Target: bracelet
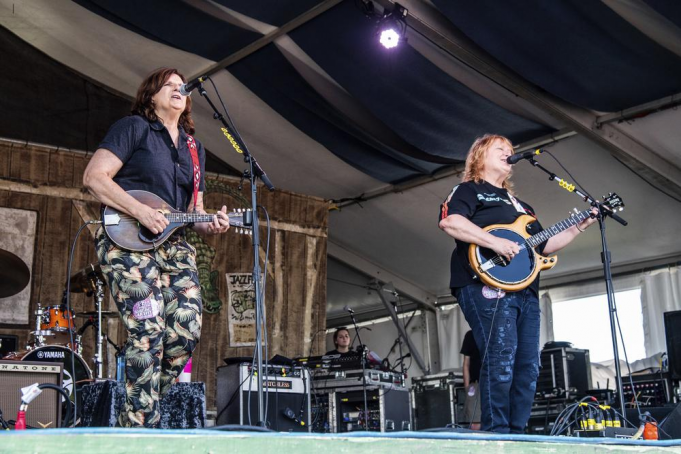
[[577, 226]]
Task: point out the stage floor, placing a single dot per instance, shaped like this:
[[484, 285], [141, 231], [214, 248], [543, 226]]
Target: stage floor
[[111, 441]]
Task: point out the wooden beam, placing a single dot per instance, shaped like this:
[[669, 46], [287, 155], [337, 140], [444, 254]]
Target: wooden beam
[[270, 37], [51, 191]]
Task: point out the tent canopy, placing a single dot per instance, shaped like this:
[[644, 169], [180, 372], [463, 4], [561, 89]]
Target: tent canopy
[[328, 112]]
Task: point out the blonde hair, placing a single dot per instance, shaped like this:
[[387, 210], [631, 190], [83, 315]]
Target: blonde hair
[[475, 160]]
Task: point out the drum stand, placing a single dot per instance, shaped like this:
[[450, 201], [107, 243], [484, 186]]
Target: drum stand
[[99, 299], [39, 334]]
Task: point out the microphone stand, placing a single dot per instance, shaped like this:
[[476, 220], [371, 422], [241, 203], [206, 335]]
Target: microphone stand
[[252, 173], [364, 370], [603, 211]]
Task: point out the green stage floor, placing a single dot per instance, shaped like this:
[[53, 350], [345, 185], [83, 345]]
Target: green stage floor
[[129, 441]]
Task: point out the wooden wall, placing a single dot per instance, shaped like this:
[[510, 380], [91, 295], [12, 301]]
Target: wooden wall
[[49, 182]]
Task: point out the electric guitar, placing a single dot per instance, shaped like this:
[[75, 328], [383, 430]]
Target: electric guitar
[[515, 275], [128, 233]]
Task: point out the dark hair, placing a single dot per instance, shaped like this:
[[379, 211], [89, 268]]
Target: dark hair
[[338, 330], [151, 85]]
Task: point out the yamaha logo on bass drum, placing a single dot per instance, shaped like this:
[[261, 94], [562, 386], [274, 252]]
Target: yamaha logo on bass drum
[[51, 355]]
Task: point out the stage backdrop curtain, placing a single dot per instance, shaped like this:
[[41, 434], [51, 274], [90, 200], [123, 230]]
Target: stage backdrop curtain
[[451, 327], [546, 328], [660, 293]]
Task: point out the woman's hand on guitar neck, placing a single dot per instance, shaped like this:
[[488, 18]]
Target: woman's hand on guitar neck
[[151, 219], [506, 248]]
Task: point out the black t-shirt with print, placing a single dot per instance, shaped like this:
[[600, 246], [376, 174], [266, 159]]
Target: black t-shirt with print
[[483, 204]]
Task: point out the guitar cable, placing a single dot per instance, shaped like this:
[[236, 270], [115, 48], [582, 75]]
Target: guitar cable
[[482, 362]]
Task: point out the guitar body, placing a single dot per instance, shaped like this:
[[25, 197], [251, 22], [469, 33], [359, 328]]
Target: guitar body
[[128, 233], [520, 272]]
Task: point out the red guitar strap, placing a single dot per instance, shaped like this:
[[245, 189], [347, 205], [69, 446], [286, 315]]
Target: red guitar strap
[[191, 143]]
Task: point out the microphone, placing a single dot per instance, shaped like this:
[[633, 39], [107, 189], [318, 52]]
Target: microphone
[[186, 89], [524, 155], [348, 309]]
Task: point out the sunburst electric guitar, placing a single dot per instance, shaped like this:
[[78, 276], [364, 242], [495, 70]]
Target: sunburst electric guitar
[[128, 233], [515, 275]]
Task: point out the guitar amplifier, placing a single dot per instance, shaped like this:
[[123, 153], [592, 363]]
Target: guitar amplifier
[[434, 400], [564, 371], [389, 410], [45, 410], [286, 391], [672, 329]]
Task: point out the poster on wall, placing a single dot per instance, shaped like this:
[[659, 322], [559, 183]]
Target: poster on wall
[[241, 309], [17, 235]]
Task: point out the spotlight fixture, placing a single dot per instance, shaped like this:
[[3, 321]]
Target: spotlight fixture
[[392, 27]]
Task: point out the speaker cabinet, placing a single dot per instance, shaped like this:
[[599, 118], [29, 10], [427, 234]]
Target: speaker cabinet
[[672, 329], [45, 410], [671, 427], [287, 397], [565, 371]]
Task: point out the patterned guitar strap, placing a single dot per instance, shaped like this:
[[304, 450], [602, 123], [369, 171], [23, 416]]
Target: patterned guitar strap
[[191, 143]]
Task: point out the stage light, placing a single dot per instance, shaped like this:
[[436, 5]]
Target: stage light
[[389, 38], [392, 27]]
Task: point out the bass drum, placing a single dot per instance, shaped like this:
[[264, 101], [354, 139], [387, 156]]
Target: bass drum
[[58, 354]]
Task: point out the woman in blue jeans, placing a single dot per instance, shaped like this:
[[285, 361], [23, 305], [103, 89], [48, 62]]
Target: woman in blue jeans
[[505, 324]]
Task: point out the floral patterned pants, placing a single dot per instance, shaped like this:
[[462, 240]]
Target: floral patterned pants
[[158, 296]]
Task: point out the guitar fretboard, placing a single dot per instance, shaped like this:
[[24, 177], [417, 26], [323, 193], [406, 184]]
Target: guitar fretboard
[[186, 218], [546, 234]]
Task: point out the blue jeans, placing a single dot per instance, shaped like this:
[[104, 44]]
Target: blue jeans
[[508, 377]]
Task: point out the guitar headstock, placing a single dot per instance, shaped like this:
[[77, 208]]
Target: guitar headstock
[[613, 201], [242, 219]]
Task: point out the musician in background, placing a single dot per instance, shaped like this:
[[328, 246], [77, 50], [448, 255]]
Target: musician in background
[[471, 378], [157, 292], [505, 324], [341, 339]]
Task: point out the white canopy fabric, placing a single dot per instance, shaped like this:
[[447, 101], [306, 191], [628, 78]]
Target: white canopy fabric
[[392, 234]]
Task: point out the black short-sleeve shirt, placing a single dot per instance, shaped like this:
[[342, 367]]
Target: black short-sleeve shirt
[[483, 204], [470, 348], [151, 162]]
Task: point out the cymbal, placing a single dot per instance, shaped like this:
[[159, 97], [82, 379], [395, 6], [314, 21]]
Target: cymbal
[[105, 314], [14, 274], [84, 280]]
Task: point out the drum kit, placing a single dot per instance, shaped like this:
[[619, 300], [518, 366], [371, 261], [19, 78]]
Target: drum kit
[[55, 337]]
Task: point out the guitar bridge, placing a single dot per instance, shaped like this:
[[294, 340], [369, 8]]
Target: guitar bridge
[[488, 265]]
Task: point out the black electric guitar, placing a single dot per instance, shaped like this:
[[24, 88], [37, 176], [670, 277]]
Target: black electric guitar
[[515, 275], [128, 233]]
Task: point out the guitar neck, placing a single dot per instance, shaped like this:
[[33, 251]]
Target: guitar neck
[[546, 234], [186, 218]]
